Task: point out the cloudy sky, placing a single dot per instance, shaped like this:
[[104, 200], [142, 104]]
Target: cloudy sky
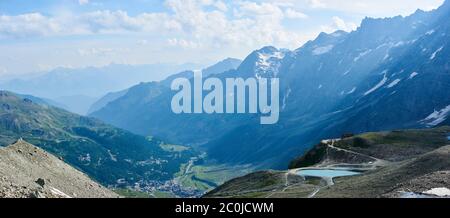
[[44, 34]]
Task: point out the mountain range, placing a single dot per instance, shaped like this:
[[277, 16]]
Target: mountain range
[[390, 73], [222, 66], [78, 88]]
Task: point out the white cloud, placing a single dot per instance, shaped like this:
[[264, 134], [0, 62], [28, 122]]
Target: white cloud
[[182, 43], [339, 24], [262, 9], [379, 8], [142, 42], [203, 28], [221, 6], [32, 24], [83, 2], [36, 24], [291, 13], [249, 22], [317, 4], [97, 51], [3, 70], [253, 24]]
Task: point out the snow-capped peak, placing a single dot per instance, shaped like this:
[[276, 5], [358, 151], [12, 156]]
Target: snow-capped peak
[[269, 60]]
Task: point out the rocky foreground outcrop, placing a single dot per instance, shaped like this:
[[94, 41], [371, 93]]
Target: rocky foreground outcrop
[[27, 171]]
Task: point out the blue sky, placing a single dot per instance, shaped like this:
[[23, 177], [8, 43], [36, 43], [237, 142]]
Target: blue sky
[[44, 34]]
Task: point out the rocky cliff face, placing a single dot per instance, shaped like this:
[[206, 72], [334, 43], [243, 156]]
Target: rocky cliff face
[[27, 171]]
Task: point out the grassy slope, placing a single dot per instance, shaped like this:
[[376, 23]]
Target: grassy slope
[[104, 152], [386, 180], [207, 176]]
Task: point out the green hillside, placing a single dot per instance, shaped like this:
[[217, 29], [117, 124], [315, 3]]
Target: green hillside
[[390, 164], [110, 155]]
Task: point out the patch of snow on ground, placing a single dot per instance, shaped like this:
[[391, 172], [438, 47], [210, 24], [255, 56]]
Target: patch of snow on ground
[[351, 91], [380, 84], [269, 63], [288, 92], [59, 193], [320, 67], [436, 52], [429, 32], [322, 50], [265, 59], [383, 45], [394, 83], [440, 192], [437, 117], [414, 74], [336, 34], [398, 44], [362, 54]]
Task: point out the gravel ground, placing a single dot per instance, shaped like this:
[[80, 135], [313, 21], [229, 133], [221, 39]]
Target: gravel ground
[[27, 171]]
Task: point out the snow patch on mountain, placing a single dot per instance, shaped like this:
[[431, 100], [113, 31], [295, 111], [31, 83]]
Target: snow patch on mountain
[[336, 34], [322, 50], [384, 72], [429, 32], [394, 83], [436, 52], [436, 117], [414, 74], [398, 44], [440, 192], [377, 86], [266, 60], [351, 91], [285, 98], [362, 54], [402, 43], [268, 63], [57, 192]]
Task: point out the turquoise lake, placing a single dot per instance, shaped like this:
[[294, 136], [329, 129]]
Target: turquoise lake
[[327, 173]]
